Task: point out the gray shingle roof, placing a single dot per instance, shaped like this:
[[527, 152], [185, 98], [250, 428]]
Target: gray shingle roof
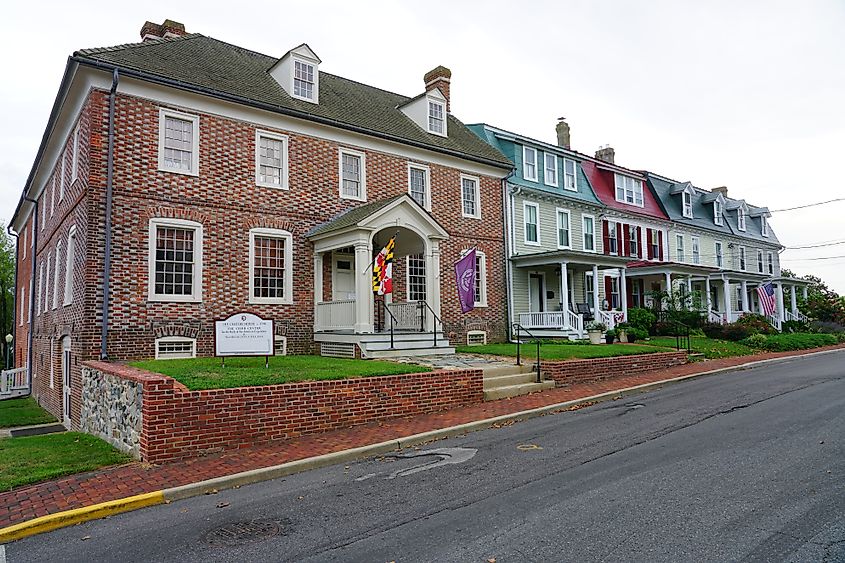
[[353, 216], [197, 61]]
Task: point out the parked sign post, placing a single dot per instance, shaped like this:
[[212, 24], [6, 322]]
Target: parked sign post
[[244, 334]]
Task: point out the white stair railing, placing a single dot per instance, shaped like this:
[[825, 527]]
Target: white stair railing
[[774, 320], [14, 382], [575, 321]]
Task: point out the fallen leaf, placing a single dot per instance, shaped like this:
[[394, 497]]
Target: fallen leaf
[[167, 501], [222, 504], [211, 492], [86, 538]]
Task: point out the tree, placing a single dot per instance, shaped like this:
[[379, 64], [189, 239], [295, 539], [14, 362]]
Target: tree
[[822, 303], [7, 287]]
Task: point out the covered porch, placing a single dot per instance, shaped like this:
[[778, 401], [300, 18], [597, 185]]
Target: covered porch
[[687, 285]]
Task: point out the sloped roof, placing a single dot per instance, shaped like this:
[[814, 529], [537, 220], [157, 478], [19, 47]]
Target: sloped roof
[[352, 216], [602, 181], [211, 66]]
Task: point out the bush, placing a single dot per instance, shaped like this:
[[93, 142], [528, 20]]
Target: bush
[[756, 340], [714, 330], [635, 334], [826, 327], [840, 336], [642, 319], [735, 332], [756, 324], [794, 341], [664, 329], [692, 319], [795, 326]]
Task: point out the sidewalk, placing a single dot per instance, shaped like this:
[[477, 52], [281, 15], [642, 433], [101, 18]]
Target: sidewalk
[[114, 483]]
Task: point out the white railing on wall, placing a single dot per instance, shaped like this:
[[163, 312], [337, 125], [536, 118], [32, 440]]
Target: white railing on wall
[[335, 315], [14, 382]]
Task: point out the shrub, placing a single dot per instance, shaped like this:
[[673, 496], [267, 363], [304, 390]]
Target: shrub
[[642, 319], [595, 325], [826, 327], [795, 326], [714, 330], [692, 319], [840, 336], [664, 328], [796, 341], [735, 332], [635, 334], [756, 324], [756, 340]]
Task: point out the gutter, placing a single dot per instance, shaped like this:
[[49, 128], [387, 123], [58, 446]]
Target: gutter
[[506, 211], [104, 333], [32, 292]]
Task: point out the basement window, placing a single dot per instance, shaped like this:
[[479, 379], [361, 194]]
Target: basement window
[[175, 347]]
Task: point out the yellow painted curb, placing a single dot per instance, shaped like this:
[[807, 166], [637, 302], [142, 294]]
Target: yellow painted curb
[[77, 515]]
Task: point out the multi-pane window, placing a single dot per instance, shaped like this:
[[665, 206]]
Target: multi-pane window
[[529, 163], [760, 261], [569, 182], [352, 175], [563, 240], [681, 256], [655, 244], [589, 230], [742, 258], [717, 212], [418, 185], [696, 250], [771, 263], [270, 273], [740, 218], [74, 170], [614, 298], [764, 226], [589, 290], [172, 347], [21, 306], [550, 169], [436, 117], [687, 204], [303, 80], [70, 255], [178, 144], [271, 160], [40, 285], [720, 261], [470, 196], [532, 232], [56, 271], [633, 243], [63, 178], [175, 261], [629, 190], [47, 283], [416, 277], [480, 279], [612, 237]]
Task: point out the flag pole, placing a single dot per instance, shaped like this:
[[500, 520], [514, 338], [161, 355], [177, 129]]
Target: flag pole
[[465, 253], [373, 261]]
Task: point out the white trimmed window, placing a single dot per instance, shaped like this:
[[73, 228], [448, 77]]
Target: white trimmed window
[[564, 239], [70, 255], [696, 250], [740, 218], [480, 279], [742, 258], [771, 263], [629, 190], [720, 260], [687, 197], [57, 270], [74, 169], [612, 237], [436, 117], [24, 234], [589, 230], [43, 206], [615, 300], [470, 197], [47, 291], [531, 220], [550, 169], [53, 194], [764, 226], [416, 277], [62, 179], [760, 266], [22, 304], [270, 266], [271, 160], [418, 185], [680, 255], [175, 347], [175, 260], [589, 289], [529, 163], [178, 142], [304, 80], [353, 177], [570, 181], [633, 241], [717, 212]]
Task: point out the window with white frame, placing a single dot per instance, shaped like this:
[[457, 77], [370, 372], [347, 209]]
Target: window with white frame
[[43, 205], [633, 241], [569, 179], [550, 169], [74, 169], [24, 234], [352, 175], [764, 226], [563, 231], [717, 249], [687, 197], [760, 267], [742, 258], [770, 260], [416, 277], [178, 142], [589, 294], [717, 212], [270, 266], [680, 255], [740, 218], [629, 190], [531, 212], [175, 347], [56, 272], [70, 256], [21, 306], [271, 160], [175, 260], [47, 291], [589, 232], [696, 250], [470, 197], [436, 117], [480, 279], [303, 80], [53, 196], [63, 178], [614, 298], [418, 185], [529, 163], [612, 237]]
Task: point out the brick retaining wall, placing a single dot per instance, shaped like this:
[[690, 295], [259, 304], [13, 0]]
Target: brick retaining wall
[[597, 369], [178, 423]]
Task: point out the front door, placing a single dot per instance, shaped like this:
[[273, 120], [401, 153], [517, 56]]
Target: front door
[[343, 277], [66, 381], [536, 299]]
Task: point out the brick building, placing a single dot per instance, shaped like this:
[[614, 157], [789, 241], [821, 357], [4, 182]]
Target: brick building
[[200, 179]]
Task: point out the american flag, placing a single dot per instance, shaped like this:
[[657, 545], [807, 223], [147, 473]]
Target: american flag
[[766, 293]]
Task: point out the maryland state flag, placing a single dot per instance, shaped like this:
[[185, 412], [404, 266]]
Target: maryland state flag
[[383, 269]]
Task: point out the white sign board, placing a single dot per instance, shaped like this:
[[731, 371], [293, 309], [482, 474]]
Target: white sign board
[[243, 334]]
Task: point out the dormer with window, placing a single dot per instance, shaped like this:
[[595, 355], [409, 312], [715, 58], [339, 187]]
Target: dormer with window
[[687, 192], [629, 190], [430, 110], [741, 214], [718, 210], [298, 74]]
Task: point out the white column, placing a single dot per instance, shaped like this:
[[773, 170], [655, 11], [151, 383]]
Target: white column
[[596, 301], [363, 288], [781, 316], [804, 289], [318, 285], [794, 303], [623, 291], [760, 306], [744, 285], [668, 277], [564, 289], [707, 299], [432, 280], [726, 291]]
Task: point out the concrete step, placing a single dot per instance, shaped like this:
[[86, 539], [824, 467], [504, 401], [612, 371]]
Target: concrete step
[[404, 352], [508, 380], [504, 369], [405, 344], [399, 335], [516, 390]]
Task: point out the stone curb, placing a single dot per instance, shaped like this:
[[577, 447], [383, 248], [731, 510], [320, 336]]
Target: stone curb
[[78, 515]]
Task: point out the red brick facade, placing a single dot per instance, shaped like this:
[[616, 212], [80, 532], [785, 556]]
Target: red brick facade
[[598, 369]]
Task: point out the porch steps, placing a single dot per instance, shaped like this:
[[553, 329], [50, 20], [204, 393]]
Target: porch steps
[[404, 344], [501, 382]]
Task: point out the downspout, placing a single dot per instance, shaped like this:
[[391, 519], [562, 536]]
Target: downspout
[[108, 234], [12, 330], [29, 319], [506, 211]]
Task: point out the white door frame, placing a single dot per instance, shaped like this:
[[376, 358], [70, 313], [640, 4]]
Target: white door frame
[[345, 257], [66, 380], [542, 301]]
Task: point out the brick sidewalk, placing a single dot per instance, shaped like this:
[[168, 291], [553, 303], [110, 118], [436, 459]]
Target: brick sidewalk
[[135, 478]]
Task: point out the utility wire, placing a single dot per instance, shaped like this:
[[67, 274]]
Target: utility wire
[[819, 258], [808, 205], [819, 245]]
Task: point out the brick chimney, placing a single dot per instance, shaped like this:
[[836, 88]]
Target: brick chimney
[[439, 78], [562, 129], [721, 190], [169, 28], [606, 154]]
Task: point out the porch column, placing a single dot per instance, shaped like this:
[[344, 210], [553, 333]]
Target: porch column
[[318, 287], [363, 289], [781, 316], [744, 285], [794, 303], [432, 281], [707, 289], [623, 292], [668, 282], [596, 301], [726, 292], [804, 289], [564, 288], [760, 306]]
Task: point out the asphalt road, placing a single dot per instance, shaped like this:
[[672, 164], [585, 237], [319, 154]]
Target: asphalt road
[[748, 465]]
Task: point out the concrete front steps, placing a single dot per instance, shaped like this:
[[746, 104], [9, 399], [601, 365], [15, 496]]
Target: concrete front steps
[[501, 382]]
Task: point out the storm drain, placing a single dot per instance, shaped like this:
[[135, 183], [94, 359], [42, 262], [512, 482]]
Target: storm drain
[[242, 533]]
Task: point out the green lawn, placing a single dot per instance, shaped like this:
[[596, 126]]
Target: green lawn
[[23, 412], [206, 373], [31, 459], [712, 349], [556, 351]]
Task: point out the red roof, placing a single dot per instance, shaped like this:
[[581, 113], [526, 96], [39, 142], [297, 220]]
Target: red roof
[[604, 184]]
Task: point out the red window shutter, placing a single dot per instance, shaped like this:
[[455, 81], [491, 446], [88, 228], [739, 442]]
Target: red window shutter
[[640, 242], [605, 237], [629, 290], [607, 291], [648, 243], [625, 237], [660, 244]]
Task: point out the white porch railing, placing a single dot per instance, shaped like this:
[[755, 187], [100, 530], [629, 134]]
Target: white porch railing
[[335, 315], [790, 316], [408, 315], [543, 319], [14, 382], [774, 320]]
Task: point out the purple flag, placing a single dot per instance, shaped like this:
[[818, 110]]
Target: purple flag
[[465, 277]]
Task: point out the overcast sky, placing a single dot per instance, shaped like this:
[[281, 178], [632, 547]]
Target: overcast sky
[[743, 94]]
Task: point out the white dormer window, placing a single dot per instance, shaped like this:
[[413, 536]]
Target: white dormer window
[[687, 205], [569, 180], [550, 169], [740, 218], [298, 73], [436, 117], [529, 163], [629, 190], [717, 212], [764, 226], [303, 80]]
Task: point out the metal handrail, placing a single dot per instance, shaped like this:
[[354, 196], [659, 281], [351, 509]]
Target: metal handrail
[[423, 305], [392, 321], [519, 328], [682, 335]]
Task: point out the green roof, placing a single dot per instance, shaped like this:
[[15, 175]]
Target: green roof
[[352, 216], [202, 63]]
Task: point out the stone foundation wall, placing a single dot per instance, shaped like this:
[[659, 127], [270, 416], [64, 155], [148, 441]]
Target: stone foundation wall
[[112, 409]]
